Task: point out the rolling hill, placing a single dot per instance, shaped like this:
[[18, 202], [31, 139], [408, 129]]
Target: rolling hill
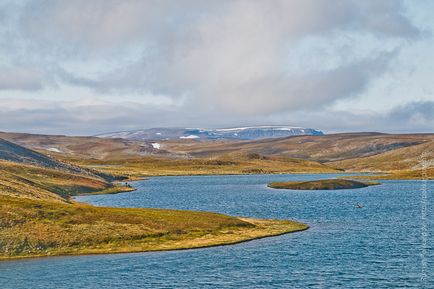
[[373, 152], [354, 152], [30, 174], [82, 147], [326, 148], [38, 218], [33, 182], [18, 154], [406, 158]]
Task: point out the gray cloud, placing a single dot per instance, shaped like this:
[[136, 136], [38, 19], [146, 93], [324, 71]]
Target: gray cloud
[[79, 117], [224, 61], [420, 112], [20, 78], [415, 116], [91, 117], [231, 60]]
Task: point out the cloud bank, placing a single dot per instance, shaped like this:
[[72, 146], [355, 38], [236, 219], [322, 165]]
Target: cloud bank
[[218, 62]]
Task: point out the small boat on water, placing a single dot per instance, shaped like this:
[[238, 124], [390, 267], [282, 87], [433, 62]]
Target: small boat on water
[[358, 206]]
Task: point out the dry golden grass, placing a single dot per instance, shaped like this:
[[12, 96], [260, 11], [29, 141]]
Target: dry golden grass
[[371, 152], [159, 166], [46, 184], [83, 147], [421, 174], [30, 228], [332, 147], [415, 162], [37, 218], [331, 184]]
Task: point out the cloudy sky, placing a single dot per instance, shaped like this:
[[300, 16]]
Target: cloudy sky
[[91, 66]]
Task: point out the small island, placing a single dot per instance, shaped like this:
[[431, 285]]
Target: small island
[[330, 184]]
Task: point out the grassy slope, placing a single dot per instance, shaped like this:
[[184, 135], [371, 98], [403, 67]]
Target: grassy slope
[[331, 147], [332, 184], [82, 147], [157, 166], [372, 152], [419, 174], [38, 219], [42, 228], [401, 156], [400, 159], [33, 182]]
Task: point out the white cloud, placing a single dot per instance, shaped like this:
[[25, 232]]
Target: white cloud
[[16, 78], [212, 63]]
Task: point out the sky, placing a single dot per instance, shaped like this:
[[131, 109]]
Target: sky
[[85, 67]]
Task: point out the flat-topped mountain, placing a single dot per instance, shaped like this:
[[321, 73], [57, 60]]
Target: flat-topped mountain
[[237, 133]]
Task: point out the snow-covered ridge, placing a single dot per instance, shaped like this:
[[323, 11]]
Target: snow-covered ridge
[[241, 133], [192, 136], [274, 127]]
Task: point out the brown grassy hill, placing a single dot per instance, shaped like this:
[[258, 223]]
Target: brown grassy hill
[[346, 151], [400, 154], [331, 147], [324, 148], [22, 180], [408, 158], [15, 153], [82, 146], [30, 174], [240, 164], [37, 218]]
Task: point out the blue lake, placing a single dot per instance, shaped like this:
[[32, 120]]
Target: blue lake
[[389, 243]]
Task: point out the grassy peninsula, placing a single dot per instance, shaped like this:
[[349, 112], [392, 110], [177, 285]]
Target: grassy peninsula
[[32, 228], [330, 184], [39, 218]]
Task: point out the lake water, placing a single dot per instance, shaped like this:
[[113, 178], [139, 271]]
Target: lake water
[[388, 243]]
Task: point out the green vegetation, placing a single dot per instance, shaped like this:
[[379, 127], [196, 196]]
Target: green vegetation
[[403, 160], [420, 174], [30, 228], [20, 180], [331, 184], [38, 218], [115, 189], [324, 149], [350, 152], [163, 166]]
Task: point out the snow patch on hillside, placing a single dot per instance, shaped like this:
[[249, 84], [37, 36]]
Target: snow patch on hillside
[[259, 127], [55, 150]]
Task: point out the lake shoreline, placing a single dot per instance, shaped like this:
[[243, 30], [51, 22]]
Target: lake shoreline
[[367, 175], [242, 229], [286, 228]]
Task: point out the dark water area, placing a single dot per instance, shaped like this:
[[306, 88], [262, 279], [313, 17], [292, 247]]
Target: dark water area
[[388, 243]]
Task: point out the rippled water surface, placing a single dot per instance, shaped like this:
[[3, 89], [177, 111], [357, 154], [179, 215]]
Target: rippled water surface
[[381, 245]]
